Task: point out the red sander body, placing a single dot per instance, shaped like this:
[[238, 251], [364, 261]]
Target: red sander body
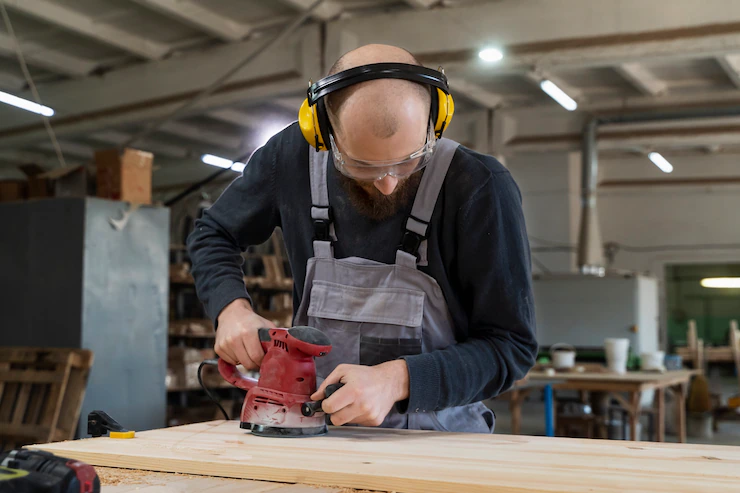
[[279, 404]]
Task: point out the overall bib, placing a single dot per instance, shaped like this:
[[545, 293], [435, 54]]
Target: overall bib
[[375, 312]]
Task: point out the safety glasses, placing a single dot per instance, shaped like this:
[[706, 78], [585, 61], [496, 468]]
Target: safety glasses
[[377, 170]]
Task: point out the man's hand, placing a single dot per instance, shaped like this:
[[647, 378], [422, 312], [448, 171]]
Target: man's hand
[[368, 394], [237, 341]]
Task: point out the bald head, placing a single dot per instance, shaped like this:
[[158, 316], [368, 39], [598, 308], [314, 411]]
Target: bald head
[[380, 106]]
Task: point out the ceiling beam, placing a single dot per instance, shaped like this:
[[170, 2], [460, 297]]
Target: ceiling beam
[[49, 59], [76, 22], [731, 65], [236, 117], [70, 148], [483, 97], [143, 92], [329, 9], [117, 138], [194, 15], [422, 4], [629, 140], [11, 82], [642, 79], [192, 132]]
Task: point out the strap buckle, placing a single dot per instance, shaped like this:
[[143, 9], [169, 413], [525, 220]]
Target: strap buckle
[[322, 227], [321, 230], [411, 242]]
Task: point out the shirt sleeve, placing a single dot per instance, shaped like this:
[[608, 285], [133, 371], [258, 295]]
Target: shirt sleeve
[[245, 214], [494, 275]]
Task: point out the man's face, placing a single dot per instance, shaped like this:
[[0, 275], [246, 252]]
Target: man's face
[[360, 142]]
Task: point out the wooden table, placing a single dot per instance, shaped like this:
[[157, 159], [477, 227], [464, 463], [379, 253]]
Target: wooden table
[[408, 461], [632, 383]]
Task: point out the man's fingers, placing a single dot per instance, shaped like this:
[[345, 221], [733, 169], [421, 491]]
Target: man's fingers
[[338, 400], [334, 377], [254, 347], [243, 355], [346, 415], [225, 353]]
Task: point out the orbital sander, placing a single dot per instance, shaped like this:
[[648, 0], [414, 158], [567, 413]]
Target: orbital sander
[[279, 403]]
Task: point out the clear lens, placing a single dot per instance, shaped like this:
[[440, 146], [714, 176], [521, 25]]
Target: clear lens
[[371, 171]]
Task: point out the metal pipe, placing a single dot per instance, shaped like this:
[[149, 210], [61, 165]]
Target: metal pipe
[[588, 233], [590, 253], [686, 114]]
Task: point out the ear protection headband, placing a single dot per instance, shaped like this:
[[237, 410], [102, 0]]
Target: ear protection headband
[[313, 117]]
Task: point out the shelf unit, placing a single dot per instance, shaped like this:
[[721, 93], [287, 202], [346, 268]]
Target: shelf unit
[[268, 279]]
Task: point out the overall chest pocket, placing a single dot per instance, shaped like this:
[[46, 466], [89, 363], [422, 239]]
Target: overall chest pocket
[[367, 326]]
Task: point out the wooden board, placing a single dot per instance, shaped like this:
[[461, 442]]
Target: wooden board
[[113, 480], [420, 461]]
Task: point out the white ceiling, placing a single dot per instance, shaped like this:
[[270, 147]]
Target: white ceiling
[[108, 67]]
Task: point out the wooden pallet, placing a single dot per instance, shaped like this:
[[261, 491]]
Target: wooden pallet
[[41, 393]]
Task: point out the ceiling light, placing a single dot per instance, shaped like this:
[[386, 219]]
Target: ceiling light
[[217, 161], [721, 282], [222, 162], [490, 55], [25, 104], [661, 162], [558, 95]]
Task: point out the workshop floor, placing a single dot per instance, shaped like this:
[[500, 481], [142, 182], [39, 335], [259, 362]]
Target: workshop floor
[[533, 418]]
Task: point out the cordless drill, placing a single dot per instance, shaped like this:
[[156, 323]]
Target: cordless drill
[[36, 471]]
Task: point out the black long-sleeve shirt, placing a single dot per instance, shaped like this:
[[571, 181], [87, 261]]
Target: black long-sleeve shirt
[[477, 251]]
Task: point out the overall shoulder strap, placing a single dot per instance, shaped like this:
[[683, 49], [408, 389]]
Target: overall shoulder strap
[[320, 208], [414, 238]]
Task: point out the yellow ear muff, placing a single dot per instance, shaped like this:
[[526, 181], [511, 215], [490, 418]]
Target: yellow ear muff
[[309, 125], [445, 108]]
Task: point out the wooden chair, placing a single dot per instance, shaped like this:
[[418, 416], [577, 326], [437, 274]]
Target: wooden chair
[[41, 394]]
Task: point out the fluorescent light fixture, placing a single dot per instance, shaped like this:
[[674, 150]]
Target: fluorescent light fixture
[[661, 162], [490, 55], [222, 162], [558, 95], [217, 161], [721, 282], [25, 104]]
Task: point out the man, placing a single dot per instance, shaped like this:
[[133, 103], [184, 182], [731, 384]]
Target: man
[[421, 333]]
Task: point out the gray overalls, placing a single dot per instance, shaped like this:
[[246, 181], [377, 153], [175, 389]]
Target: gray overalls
[[375, 312]]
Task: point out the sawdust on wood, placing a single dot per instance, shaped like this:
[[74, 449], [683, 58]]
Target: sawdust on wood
[[112, 476]]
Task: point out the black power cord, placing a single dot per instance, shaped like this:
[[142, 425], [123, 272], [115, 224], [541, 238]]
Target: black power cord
[[212, 362]]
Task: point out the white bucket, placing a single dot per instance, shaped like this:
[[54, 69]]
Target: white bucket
[[652, 360], [616, 354], [563, 356]]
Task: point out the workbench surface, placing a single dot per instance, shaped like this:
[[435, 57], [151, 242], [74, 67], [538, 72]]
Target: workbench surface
[[115, 480], [419, 461]]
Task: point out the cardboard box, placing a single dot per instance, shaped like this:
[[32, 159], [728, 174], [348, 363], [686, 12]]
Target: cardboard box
[[12, 190], [70, 181], [126, 177]]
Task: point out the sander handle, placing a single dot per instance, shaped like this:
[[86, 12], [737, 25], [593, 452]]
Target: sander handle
[[237, 378]]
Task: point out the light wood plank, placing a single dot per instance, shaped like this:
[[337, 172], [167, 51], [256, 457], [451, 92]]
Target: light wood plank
[[418, 461]]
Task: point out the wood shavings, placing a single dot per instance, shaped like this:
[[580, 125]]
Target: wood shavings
[[110, 476]]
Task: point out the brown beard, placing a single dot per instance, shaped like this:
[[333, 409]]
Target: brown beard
[[371, 203]]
